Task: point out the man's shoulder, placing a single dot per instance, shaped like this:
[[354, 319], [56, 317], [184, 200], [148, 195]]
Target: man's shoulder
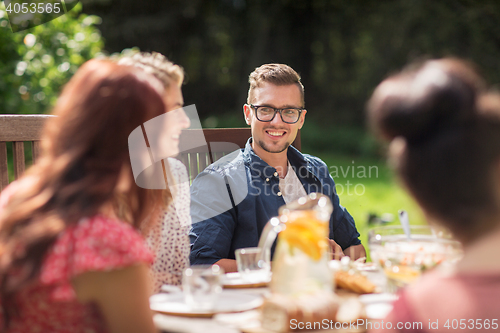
[[311, 163], [226, 165], [312, 160], [228, 170], [219, 188]]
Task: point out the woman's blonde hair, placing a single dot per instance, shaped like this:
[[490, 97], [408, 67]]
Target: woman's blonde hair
[[158, 65]]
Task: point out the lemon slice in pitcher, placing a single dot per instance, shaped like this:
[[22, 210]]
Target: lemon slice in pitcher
[[305, 232]]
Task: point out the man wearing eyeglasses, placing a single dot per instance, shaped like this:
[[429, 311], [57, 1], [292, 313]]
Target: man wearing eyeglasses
[[232, 199]]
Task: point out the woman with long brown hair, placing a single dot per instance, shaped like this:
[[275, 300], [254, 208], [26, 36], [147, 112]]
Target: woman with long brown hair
[[67, 262], [444, 129]]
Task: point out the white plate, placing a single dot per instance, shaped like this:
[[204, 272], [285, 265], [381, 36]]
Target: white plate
[[367, 266], [234, 280], [378, 306], [228, 301]]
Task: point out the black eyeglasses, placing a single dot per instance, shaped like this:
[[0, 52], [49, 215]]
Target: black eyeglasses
[[267, 113]]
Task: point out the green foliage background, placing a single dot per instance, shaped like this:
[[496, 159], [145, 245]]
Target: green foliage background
[[36, 63], [341, 48]]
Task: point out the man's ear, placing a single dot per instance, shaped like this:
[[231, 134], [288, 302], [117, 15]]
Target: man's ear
[[246, 113], [302, 118]]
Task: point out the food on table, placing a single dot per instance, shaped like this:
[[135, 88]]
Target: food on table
[[426, 253], [354, 281], [403, 260], [401, 275]]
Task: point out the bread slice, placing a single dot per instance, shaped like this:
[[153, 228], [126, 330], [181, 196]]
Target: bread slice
[[354, 282]]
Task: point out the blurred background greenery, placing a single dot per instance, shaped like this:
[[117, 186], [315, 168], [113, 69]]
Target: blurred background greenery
[[35, 63], [341, 48]]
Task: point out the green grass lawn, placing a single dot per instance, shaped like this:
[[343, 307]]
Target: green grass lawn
[[372, 188]]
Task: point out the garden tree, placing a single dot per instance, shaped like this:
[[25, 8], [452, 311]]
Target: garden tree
[[35, 63]]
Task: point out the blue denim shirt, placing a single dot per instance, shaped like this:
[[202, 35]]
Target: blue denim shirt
[[234, 198]]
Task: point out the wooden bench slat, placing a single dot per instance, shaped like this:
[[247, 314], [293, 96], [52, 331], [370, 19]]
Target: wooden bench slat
[[4, 166], [193, 165], [36, 148], [22, 127], [19, 163], [202, 158], [217, 155], [19, 129]]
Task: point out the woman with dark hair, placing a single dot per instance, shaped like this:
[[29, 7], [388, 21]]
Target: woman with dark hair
[[444, 129], [68, 263]]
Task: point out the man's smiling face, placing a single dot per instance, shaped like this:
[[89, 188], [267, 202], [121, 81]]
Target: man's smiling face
[[274, 136]]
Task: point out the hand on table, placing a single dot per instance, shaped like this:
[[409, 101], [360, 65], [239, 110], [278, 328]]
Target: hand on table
[[336, 250]]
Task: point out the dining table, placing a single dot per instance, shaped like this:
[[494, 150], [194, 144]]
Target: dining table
[[218, 323], [377, 305]]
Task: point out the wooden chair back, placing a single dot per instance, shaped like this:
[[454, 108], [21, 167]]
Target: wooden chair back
[[219, 142], [15, 130]]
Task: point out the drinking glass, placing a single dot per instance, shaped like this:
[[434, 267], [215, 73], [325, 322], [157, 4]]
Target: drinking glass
[[252, 265], [201, 286]]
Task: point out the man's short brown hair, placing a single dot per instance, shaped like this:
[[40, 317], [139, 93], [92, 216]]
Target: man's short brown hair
[[277, 74], [158, 65]]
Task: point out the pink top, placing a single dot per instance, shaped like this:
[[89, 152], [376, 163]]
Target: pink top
[[93, 244], [443, 303]]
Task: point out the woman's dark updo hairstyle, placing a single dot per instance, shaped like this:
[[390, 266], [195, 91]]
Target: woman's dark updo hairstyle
[[451, 127]]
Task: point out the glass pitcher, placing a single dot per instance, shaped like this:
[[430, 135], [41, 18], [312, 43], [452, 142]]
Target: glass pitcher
[[300, 264]]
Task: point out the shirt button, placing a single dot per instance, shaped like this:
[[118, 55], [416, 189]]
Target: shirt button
[[267, 179], [275, 174], [279, 194]]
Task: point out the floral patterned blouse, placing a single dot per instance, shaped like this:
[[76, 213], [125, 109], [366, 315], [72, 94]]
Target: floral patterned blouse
[[94, 244], [169, 240]]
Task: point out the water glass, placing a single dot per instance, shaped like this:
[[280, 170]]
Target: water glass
[[252, 265], [201, 286]]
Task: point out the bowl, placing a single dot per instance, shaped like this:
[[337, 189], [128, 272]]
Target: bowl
[[404, 259]]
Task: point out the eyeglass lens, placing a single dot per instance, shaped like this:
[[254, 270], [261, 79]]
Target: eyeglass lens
[[265, 113]]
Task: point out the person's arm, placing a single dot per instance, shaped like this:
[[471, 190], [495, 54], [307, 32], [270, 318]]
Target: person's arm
[[335, 250], [229, 265], [343, 232], [214, 219], [355, 251], [211, 240], [122, 295]]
